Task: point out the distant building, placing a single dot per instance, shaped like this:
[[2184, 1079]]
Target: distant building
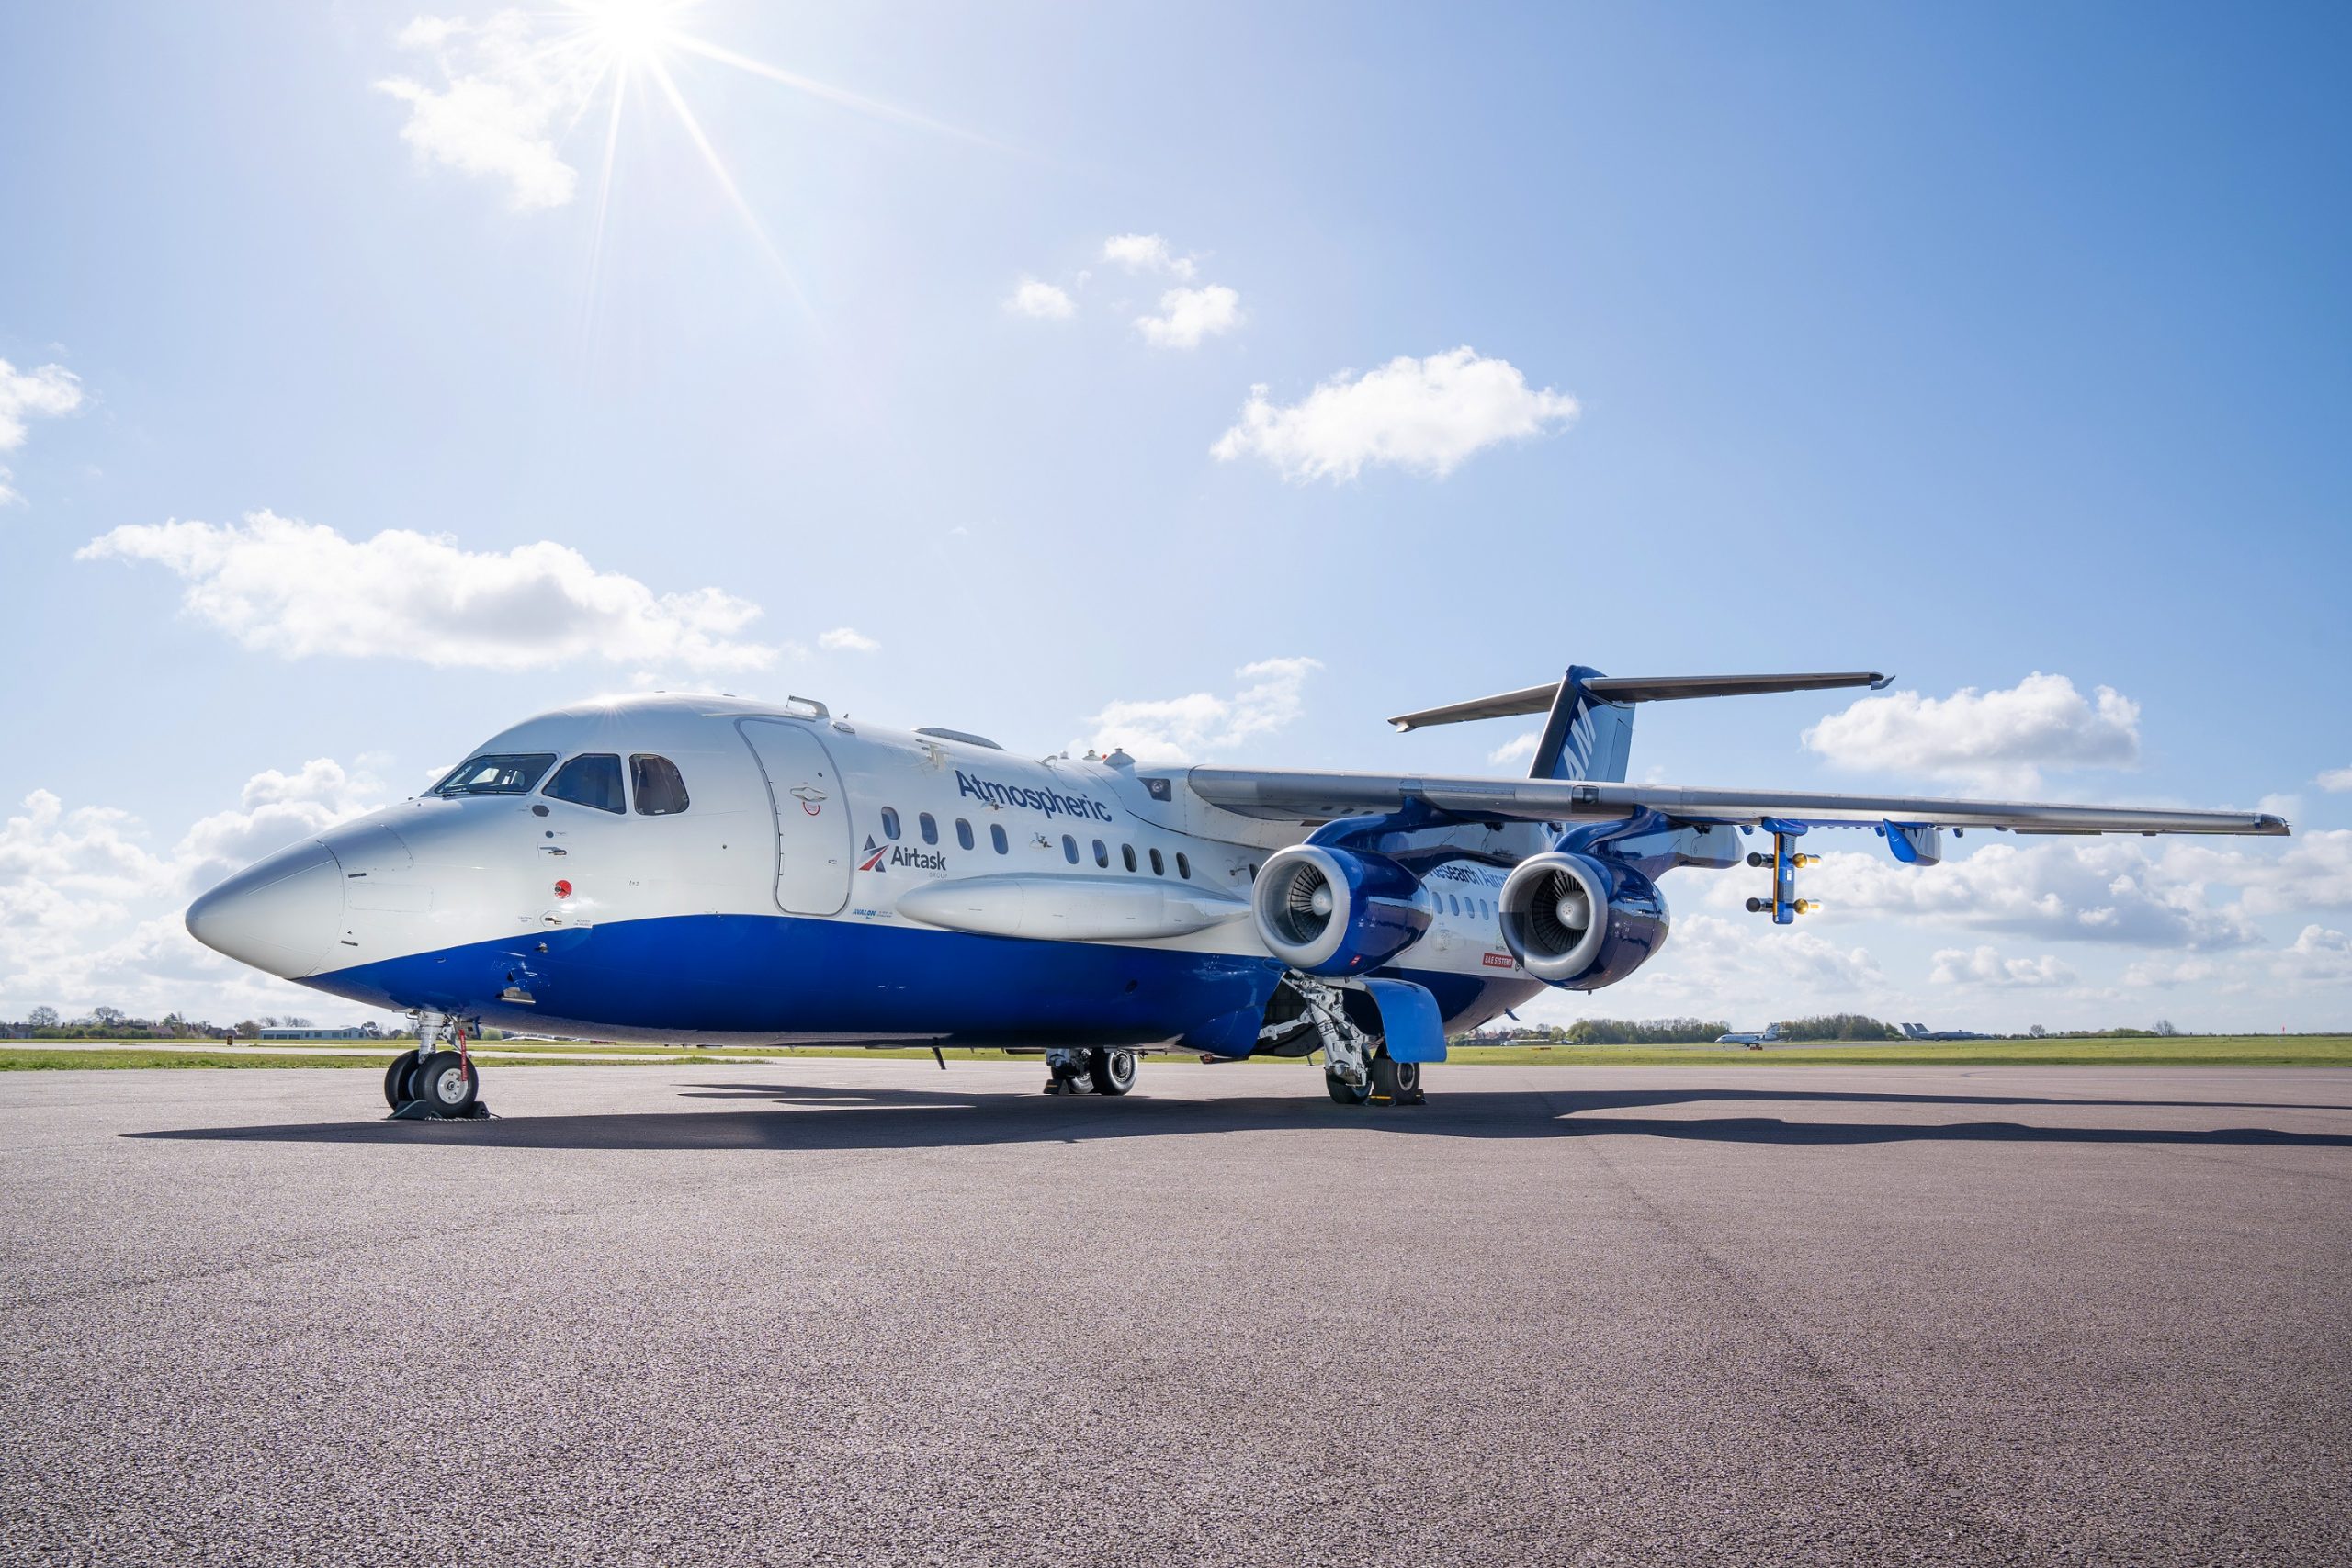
[[354, 1033]]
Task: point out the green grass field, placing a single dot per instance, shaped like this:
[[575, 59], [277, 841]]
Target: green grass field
[[2196, 1051]]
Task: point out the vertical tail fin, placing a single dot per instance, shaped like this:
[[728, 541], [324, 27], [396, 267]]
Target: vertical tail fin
[[1586, 738]]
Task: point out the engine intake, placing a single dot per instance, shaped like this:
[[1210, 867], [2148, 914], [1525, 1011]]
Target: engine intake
[[1576, 922], [1332, 911]]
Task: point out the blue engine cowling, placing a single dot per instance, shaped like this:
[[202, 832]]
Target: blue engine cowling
[[1579, 922], [1330, 911]]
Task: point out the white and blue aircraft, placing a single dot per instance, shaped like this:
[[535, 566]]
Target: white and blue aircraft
[[716, 870]]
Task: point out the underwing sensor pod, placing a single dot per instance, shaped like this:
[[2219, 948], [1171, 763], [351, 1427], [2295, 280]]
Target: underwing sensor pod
[[1336, 912], [728, 871], [1580, 924]]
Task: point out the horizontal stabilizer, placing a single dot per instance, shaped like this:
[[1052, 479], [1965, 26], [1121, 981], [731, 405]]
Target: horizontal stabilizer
[[1636, 689]]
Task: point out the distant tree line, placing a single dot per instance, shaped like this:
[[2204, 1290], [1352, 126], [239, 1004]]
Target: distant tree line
[[1643, 1031], [1838, 1026], [113, 1024]]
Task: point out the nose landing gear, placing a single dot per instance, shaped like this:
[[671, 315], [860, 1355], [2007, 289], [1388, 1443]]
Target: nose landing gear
[[438, 1080]]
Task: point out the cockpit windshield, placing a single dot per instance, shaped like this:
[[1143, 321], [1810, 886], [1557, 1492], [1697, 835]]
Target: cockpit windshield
[[497, 775]]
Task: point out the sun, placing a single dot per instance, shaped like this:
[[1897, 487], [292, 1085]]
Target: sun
[[629, 33]]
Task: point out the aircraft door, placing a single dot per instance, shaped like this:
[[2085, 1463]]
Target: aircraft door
[[812, 833]]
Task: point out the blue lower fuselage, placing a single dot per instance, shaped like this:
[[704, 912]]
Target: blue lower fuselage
[[777, 977]]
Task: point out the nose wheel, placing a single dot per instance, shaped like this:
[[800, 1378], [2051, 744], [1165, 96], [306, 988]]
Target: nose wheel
[[438, 1080]]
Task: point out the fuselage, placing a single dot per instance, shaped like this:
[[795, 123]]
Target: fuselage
[[721, 870]]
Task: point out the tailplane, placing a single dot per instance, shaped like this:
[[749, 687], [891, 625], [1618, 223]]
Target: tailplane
[[1589, 729]]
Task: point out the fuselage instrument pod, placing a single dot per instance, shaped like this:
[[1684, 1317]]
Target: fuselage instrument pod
[[722, 871]]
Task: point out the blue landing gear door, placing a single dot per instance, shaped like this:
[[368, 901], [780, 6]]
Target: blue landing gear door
[[1409, 1020]]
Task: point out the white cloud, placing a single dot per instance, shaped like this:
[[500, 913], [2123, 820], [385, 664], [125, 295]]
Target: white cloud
[[2335, 780], [1997, 739], [280, 585], [2166, 974], [45, 393], [1041, 300], [48, 392], [1424, 415], [1518, 749], [1177, 730], [1188, 315], [847, 639], [2311, 871], [1767, 969], [1983, 966], [275, 810], [2099, 890], [1146, 252], [90, 915], [2316, 955], [506, 97]]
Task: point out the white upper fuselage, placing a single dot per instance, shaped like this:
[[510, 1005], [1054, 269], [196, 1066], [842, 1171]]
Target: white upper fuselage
[[841, 852]]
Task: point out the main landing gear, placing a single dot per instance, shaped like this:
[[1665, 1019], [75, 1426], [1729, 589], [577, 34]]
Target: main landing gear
[[1090, 1071], [1357, 1067], [438, 1080]]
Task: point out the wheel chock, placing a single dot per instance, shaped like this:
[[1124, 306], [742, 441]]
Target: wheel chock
[[418, 1111]]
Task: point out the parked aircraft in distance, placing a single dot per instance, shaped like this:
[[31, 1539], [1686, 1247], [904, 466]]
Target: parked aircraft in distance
[[1921, 1032], [720, 870], [1753, 1042]]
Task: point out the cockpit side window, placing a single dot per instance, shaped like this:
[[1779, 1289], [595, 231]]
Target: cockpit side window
[[497, 775], [590, 781], [659, 791]]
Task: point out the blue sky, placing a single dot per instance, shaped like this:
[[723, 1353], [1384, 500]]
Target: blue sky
[[1970, 345]]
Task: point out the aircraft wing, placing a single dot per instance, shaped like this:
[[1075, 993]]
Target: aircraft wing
[[1301, 797]]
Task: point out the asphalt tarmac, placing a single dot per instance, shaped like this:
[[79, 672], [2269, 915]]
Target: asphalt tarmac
[[853, 1311]]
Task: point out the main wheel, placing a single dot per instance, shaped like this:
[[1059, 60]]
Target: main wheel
[[396, 1089], [446, 1081], [1345, 1093], [1408, 1083], [1114, 1072]]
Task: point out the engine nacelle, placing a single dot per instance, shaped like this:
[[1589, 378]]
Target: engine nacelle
[[1576, 922], [1332, 911]]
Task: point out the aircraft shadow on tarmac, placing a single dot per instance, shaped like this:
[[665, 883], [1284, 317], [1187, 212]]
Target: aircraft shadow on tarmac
[[831, 1117]]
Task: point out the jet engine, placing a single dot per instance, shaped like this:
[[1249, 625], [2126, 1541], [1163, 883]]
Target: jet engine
[[1336, 912], [1579, 922]]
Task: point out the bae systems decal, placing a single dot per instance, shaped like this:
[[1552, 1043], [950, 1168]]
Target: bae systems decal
[[1045, 800], [882, 857]]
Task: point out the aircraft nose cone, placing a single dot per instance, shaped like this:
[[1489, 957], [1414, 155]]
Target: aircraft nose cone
[[281, 914]]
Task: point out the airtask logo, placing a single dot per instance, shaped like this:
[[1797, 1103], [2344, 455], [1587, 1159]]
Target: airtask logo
[[882, 857], [1045, 800]]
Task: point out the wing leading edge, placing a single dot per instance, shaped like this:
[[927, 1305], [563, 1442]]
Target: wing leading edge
[[1284, 796]]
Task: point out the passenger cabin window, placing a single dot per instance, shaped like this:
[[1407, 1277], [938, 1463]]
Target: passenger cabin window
[[655, 781], [1183, 865], [497, 775], [1102, 853], [930, 826], [1070, 849], [889, 823], [996, 836], [589, 781], [1159, 866], [1127, 853], [963, 833]]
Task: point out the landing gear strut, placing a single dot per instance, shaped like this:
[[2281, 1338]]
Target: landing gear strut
[[1083, 1071], [438, 1080], [1357, 1067]]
